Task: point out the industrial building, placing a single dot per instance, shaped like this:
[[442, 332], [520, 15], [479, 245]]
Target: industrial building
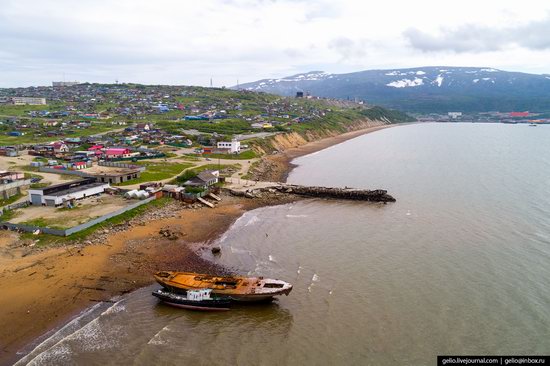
[[59, 194], [59, 84], [28, 101], [116, 176]]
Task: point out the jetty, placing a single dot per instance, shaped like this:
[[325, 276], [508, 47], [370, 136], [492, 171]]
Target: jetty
[[377, 195], [251, 189]]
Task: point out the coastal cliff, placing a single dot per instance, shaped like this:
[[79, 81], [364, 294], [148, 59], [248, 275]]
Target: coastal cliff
[[279, 150]]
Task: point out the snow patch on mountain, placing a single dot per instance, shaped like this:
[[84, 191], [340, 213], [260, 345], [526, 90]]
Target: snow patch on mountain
[[404, 83], [489, 70], [402, 73], [438, 80], [395, 73]]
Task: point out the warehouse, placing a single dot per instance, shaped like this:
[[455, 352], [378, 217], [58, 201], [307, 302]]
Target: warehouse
[[59, 194]]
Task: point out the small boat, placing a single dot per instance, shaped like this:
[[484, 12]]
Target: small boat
[[533, 124], [233, 287], [193, 300]]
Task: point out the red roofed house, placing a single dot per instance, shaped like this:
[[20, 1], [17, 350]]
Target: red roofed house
[[98, 149], [519, 114], [117, 153], [79, 165], [59, 147]]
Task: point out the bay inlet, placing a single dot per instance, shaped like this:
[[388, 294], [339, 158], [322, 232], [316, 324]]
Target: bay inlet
[[458, 265]]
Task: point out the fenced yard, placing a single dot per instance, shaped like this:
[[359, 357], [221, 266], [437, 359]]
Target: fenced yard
[[64, 221]]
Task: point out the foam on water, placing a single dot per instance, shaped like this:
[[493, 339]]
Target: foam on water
[[252, 221], [53, 356], [371, 283], [69, 328], [158, 339], [87, 335]]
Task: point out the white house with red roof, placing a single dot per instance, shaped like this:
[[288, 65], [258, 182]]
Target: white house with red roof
[[59, 147], [117, 153]]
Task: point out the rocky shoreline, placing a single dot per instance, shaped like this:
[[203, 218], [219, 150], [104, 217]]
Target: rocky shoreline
[[47, 286]]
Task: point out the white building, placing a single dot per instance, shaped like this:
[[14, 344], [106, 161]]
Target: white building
[[58, 194], [234, 146], [57, 84], [454, 115], [28, 101]]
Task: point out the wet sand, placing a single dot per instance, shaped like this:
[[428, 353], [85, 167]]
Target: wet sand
[[42, 290]]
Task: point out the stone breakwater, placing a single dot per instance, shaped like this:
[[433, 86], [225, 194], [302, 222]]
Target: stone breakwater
[[377, 195]]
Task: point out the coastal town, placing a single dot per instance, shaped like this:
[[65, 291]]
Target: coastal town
[[66, 147], [244, 182], [86, 165]]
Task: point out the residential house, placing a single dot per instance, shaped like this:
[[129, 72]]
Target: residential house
[[96, 148], [144, 126], [204, 179], [115, 153], [59, 147], [233, 147]]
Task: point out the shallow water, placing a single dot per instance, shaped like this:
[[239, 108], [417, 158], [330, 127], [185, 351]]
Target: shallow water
[[458, 265]]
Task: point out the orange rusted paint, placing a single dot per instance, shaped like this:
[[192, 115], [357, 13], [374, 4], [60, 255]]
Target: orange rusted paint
[[235, 287]]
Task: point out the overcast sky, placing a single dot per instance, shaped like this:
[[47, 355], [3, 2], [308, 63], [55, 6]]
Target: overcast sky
[[188, 42]]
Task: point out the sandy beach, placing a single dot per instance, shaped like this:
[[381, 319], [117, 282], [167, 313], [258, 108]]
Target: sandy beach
[[42, 289]]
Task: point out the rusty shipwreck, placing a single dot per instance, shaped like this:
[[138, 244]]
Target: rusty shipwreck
[[233, 287]]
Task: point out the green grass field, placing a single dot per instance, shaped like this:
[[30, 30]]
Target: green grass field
[[245, 155], [12, 199], [158, 171]]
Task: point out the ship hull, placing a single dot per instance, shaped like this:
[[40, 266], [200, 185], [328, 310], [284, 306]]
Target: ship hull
[[241, 289], [233, 297], [204, 305], [194, 307]]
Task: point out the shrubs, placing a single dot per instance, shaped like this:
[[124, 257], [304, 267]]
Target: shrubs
[[190, 189], [188, 174]]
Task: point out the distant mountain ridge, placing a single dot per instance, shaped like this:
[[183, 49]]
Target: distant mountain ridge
[[423, 89]]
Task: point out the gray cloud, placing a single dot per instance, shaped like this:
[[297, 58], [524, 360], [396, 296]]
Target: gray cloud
[[349, 48], [475, 38]]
